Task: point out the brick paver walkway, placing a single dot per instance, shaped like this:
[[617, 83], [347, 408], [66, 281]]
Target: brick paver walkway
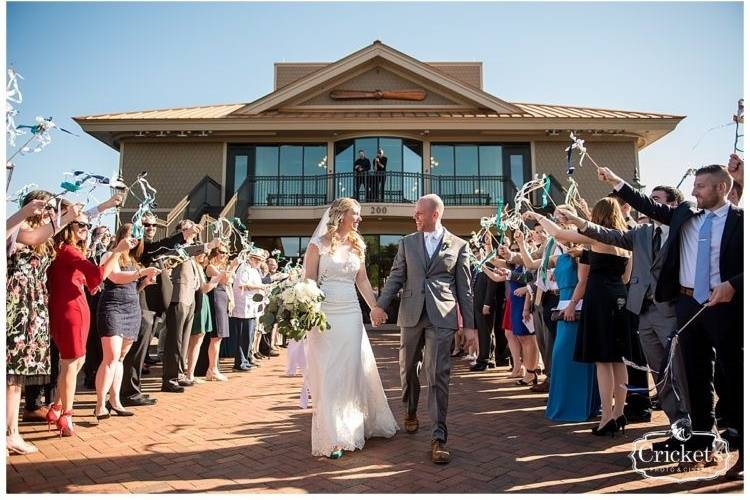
[[248, 435]]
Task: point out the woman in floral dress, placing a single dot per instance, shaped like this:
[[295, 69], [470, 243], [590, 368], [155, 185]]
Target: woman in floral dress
[[30, 253]]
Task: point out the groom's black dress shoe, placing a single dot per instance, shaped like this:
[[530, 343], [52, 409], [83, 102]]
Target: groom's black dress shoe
[[479, 367]]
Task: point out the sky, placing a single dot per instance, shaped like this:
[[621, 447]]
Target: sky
[[92, 58]]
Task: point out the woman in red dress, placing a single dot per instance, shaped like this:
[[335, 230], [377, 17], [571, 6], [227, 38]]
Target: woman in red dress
[[68, 308]]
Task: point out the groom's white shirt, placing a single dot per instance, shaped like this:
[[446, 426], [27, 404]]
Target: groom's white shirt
[[432, 239]]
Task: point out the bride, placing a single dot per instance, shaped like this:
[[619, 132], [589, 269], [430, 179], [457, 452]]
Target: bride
[[349, 404]]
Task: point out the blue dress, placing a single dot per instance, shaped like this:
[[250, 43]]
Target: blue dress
[[572, 384], [516, 310]]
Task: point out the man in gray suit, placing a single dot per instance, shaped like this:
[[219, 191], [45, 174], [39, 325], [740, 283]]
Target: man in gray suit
[[657, 320], [432, 269], [185, 281]]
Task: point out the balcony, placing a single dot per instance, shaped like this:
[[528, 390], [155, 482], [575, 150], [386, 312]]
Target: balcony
[[389, 187]]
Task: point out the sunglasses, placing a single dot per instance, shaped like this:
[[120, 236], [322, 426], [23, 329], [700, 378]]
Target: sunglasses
[[221, 252], [82, 225], [146, 224]]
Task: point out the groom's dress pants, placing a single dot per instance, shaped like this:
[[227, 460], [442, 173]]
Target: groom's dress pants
[[437, 366]]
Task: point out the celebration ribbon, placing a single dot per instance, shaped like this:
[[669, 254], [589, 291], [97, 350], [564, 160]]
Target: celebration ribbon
[[738, 118], [12, 96]]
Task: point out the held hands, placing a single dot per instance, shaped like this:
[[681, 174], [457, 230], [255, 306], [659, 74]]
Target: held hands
[[606, 175], [722, 293], [378, 316]]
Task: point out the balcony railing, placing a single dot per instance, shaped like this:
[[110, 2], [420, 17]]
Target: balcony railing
[[372, 187]]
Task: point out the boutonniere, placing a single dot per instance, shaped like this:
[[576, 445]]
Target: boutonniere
[[446, 245]]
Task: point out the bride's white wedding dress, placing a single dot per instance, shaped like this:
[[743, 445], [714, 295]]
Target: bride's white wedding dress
[[349, 404]]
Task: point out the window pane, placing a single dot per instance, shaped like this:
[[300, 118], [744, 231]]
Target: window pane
[[392, 150], [516, 170], [490, 168], [412, 171], [467, 160], [370, 147], [344, 156], [467, 169], [314, 157], [240, 171], [267, 164], [443, 171], [291, 160], [290, 246], [266, 160]]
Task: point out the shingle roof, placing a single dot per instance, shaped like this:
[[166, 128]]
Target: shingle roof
[[226, 110]]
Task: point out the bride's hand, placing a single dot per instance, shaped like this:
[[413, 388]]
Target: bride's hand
[[378, 316]]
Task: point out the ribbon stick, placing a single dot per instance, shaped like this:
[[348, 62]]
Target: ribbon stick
[[738, 118], [577, 144], [41, 134], [12, 96], [688, 172], [147, 204]]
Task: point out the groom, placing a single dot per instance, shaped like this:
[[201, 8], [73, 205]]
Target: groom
[[432, 268]]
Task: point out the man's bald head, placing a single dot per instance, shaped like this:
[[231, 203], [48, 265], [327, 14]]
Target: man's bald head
[[428, 212]]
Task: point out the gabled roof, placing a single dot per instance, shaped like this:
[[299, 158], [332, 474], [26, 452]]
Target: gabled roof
[[377, 51], [226, 111]]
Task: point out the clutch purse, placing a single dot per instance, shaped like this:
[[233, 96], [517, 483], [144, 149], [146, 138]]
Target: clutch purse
[[557, 316]]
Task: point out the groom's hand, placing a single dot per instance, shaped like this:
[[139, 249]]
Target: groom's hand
[[378, 316]]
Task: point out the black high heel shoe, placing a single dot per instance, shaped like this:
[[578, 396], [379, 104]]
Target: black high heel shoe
[[119, 413], [621, 422], [609, 428], [534, 381]]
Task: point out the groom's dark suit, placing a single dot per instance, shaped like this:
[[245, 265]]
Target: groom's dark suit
[[433, 288]]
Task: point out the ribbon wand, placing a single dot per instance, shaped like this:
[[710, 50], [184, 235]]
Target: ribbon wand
[[738, 118]]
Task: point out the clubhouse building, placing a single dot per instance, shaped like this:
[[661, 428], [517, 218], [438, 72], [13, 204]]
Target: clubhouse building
[[276, 162]]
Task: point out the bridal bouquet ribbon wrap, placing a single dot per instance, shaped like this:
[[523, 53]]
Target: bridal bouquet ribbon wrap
[[294, 305]]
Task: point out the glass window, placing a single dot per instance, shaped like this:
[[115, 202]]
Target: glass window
[[315, 160], [467, 160], [290, 160], [290, 246], [490, 171], [240, 171], [516, 170], [369, 145], [266, 161], [344, 156]]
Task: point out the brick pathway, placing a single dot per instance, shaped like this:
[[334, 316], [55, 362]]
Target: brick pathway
[[248, 435]]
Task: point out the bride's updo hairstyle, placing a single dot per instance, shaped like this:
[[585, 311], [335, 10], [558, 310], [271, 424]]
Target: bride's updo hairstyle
[[336, 214]]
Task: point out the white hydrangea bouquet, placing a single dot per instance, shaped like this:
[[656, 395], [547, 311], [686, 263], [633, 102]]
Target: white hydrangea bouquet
[[294, 305]]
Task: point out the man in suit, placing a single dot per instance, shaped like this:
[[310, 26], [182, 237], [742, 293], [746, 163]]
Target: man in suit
[[185, 281], [380, 163], [703, 271], [657, 320], [485, 299], [361, 174], [432, 267]]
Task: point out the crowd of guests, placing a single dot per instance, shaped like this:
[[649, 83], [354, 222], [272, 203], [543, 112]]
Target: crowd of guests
[[595, 295], [81, 297]]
